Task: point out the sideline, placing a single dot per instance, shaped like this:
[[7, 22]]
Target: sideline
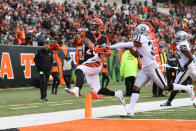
[[63, 116], [31, 87]]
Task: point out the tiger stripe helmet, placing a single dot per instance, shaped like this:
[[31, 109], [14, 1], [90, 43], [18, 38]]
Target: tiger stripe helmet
[[96, 25]]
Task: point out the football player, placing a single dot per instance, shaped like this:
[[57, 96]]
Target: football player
[[151, 70], [92, 66], [185, 58]]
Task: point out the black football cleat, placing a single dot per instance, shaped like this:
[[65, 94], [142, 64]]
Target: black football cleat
[[166, 104]]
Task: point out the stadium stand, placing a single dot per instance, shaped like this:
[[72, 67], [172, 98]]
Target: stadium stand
[[29, 22]]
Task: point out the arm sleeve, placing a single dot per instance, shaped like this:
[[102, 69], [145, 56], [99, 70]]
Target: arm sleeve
[[122, 45]]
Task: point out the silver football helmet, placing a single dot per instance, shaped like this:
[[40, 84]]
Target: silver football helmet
[[142, 29], [181, 36]]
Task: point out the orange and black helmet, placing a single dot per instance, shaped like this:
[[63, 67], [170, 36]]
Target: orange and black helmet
[[96, 25]]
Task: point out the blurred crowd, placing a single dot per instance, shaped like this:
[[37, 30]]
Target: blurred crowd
[[26, 22]]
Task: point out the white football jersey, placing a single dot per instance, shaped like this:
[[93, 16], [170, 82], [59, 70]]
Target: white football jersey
[[181, 57], [194, 61], [146, 52]]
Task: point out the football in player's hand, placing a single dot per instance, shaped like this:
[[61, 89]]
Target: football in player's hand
[[103, 47]]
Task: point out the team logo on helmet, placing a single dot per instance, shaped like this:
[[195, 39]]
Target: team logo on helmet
[[181, 36], [96, 25], [142, 29]]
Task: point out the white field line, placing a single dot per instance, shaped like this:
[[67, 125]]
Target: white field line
[[25, 107], [113, 99], [59, 104], [62, 116], [97, 100]]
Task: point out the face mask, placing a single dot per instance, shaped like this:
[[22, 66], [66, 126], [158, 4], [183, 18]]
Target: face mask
[[67, 58]]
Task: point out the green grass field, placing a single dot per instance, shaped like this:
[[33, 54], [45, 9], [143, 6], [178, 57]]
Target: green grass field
[[27, 101]]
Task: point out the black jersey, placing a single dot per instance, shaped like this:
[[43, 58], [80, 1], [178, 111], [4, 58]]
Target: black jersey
[[96, 40]]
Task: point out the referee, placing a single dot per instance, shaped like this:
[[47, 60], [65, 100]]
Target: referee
[[43, 60]]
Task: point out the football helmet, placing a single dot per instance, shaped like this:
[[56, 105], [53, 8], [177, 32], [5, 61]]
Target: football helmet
[[96, 25], [142, 29], [181, 36]]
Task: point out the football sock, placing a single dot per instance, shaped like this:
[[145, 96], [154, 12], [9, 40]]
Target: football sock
[[171, 87], [79, 78], [133, 100], [106, 91], [172, 96], [107, 82]]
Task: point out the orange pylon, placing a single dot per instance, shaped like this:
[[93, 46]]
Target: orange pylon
[[88, 106]]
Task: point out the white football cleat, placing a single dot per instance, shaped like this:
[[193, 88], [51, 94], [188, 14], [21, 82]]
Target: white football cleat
[[124, 114], [191, 92], [130, 113], [73, 91], [119, 96]]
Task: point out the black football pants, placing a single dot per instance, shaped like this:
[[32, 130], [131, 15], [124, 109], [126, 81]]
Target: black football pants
[[44, 77], [56, 82], [129, 83], [67, 79], [105, 78]]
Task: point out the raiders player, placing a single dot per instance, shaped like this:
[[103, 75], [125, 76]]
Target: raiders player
[[144, 48], [185, 58], [92, 65]]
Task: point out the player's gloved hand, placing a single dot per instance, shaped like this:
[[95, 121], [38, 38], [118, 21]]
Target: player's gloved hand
[[105, 47], [184, 68], [102, 49], [98, 49]]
